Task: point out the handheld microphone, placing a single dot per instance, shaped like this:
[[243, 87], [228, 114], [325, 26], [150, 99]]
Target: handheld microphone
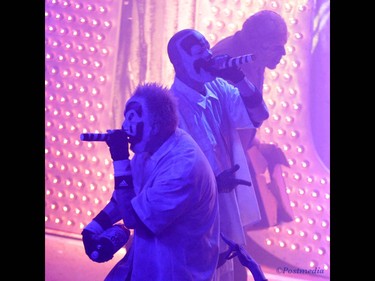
[[94, 137], [101, 136], [222, 61]]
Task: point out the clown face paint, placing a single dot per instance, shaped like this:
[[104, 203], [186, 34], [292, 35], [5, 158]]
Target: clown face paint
[[194, 51], [133, 124]]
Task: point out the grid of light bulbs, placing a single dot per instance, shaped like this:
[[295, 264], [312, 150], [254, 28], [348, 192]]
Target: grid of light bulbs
[[79, 58]]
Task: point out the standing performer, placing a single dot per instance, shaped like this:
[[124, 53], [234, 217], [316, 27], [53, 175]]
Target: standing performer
[[264, 35], [211, 110]]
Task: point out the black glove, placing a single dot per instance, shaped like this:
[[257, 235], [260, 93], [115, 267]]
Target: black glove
[[90, 241], [109, 242], [94, 249], [226, 180], [118, 144], [233, 73], [90, 234], [102, 254]]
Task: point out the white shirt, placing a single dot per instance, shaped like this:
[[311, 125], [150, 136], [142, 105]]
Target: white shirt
[[212, 121], [176, 198]]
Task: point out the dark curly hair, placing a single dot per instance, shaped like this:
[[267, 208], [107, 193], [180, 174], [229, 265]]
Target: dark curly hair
[[161, 105]]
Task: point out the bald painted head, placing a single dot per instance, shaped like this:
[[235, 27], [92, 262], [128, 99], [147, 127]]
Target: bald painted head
[[187, 49], [265, 34]]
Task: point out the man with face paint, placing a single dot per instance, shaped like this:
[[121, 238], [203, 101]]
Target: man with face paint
[[264, 34], [211, 110], [166, 193]]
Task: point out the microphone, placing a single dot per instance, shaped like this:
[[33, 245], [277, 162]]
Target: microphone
[[222, 61], [101, 136], [94, 137]]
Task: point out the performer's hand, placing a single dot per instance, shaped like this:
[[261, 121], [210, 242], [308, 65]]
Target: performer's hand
[[118, 144], [226, 180], [90, 241], [233, 73], [103, 253], [106, 249], [91, 232], [93, 249]]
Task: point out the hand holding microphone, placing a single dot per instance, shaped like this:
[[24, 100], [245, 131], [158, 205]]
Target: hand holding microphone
[[225, 61], [221, 66], [117, 141], [227, 67], [118, 144]]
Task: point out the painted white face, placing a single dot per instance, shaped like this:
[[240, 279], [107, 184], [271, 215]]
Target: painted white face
[[194, 51], [137, 125]]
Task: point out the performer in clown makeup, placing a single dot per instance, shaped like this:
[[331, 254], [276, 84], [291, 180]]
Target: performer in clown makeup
[[265, 35], [191, 52], [134, 125], [166, 194], [211, 110]]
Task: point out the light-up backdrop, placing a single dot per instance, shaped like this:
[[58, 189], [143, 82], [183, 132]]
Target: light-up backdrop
[[97, 51]]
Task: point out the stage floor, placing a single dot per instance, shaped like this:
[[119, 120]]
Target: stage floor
[[65, 259]]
